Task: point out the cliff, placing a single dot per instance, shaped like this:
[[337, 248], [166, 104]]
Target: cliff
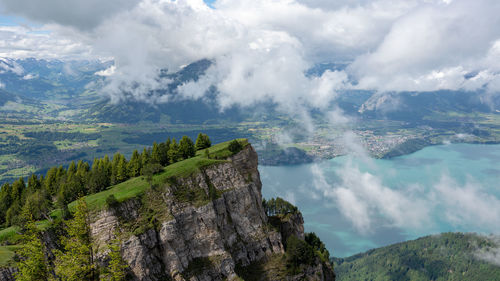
[[208, 225]]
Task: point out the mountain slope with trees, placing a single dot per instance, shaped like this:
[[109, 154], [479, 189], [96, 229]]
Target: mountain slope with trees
[[447, 256]]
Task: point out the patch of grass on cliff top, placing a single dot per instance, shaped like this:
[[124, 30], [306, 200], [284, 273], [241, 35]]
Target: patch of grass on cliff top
[[6, 254], [136, 186]]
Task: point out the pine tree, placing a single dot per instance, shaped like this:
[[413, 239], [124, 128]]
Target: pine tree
[[33, 265], [134, 165], [34, 184], [173, 152], [50, 181], [76, 261], [186, 147], [163, 147], [155, 154], [145, 158], [116, 270], [121, 170], [202, 142]]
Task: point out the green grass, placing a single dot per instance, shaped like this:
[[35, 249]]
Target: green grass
[[6, 254], [10, 235], [137, 186]]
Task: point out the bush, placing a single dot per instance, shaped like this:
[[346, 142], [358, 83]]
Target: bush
[[235, 146], [111, 201]]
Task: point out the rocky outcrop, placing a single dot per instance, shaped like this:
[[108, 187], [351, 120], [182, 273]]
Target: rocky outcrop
[[201, 227], [198, 240]]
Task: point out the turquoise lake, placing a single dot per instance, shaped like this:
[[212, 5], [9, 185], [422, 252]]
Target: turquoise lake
[[358, 203]]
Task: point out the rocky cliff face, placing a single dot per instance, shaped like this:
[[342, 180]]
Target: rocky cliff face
[[201, 227]]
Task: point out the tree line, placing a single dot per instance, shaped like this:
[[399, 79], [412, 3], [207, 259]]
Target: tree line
[[60, 186]]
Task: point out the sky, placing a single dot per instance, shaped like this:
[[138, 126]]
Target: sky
[[262, 49]]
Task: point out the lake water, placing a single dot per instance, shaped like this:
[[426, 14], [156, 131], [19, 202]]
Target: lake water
[[358, 203]]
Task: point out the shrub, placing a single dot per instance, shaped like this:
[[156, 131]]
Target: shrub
[[111, 201], [235, 146]]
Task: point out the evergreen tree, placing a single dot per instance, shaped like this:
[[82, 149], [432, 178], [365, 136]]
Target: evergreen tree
[[51, 181], [72, 168], [155, 154], [34, 184], [37, 205], [116, 270], [145, 158], [121, 170], [173, 152], [202, 142], [76, 261], [186, 148], [32, 265], [114, 168], [5, 200], [134, 165], [164, 153]]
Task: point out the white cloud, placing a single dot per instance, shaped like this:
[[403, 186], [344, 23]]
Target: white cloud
[[106, 72], [261, 49], [466, 205], [490, 254], [363, 199], [81, 14], [26, 42], [432, 47]]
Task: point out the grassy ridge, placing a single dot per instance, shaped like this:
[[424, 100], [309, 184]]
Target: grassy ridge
[[132, 188], [137, 186]]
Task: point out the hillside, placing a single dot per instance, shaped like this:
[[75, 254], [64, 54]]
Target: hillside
[[201, 218], [448, 256]]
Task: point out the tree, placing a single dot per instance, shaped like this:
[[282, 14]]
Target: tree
[[33, 265], [202, 142], [163, 147], [145, 159], [116, 270], [173, 152], [121, 170], [298, 253], [155, 154], [76, 261], [186, 147], [37, 205], [312, 239], [235, 146], [134, 165]]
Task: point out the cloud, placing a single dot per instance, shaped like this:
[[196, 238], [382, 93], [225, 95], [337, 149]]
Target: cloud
[[262, 49], [434, 47], [81, 14], [364, 200], [26, 42], [490, 254], [466, 205]]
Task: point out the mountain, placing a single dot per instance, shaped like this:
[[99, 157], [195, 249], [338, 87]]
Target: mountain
[[44, 79], [200, 219], [448, 256], [412, 106]]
